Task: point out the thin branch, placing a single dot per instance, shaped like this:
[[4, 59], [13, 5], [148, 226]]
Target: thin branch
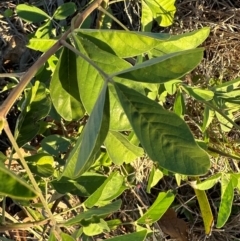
[[113, 18], [22, 226], [9, 75], [23, 162], [16, 92], [221, 113], [14, 95], [223, 153]]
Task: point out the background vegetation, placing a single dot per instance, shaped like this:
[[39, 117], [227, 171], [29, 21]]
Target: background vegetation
[[121, 135]]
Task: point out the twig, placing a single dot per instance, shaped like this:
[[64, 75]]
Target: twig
[[22, 226], [9, 75], [112, 17], [23, 162], [14, 95], [16, 92]]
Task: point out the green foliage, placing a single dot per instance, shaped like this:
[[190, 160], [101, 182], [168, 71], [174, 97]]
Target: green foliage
[[65, 10], [1, 125], [13, 186], [34, 109], [161, 10], [31, 14], [154, 178], [94, 212], [137, 236], [120, 150], [163, 68], [158, 208], [205, 208], [228, 183], [41, 164], [64, 87], [176, 150], [83, 186], [104, 107]]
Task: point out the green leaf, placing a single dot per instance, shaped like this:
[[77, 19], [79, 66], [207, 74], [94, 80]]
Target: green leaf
[[179, 104], [83, 186], [114, 41], [103, 160], [8, 13], [114, 223], [118, 119], [2, 124], [52, 237], [94, 132], [41, 164], [13, 186], [107, 20], [31, 13], [35, 107], [181, 42], [64, 10], [171, 86], [41, 44], [146, 17], [206, 211], [235, 177], [96, 228], [82, 156], [157, 209], [164, 68], [207, 118], [198, 93], [227, 86], [100, 212], [227, 194], [163, 11], [208, 183], [165, 137], [64, 87], [120, 149], [225, 125], [72, 160], [111, 188], [3, 158], [79, 233], [66, 237], [55, 144], [228, 95], [154, 177], [137, 236], [43, 32], [90, 81]]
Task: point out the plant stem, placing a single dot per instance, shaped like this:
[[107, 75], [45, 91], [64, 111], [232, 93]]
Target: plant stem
[[113, 18], [223, 153], [221, 113], [9, 75], [16, 92], [31, 177], [18, 226]]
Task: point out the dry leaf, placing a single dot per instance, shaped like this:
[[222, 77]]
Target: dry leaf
[[175, 227]]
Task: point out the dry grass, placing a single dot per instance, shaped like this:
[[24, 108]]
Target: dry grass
[[223, 46], [221, 61]]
